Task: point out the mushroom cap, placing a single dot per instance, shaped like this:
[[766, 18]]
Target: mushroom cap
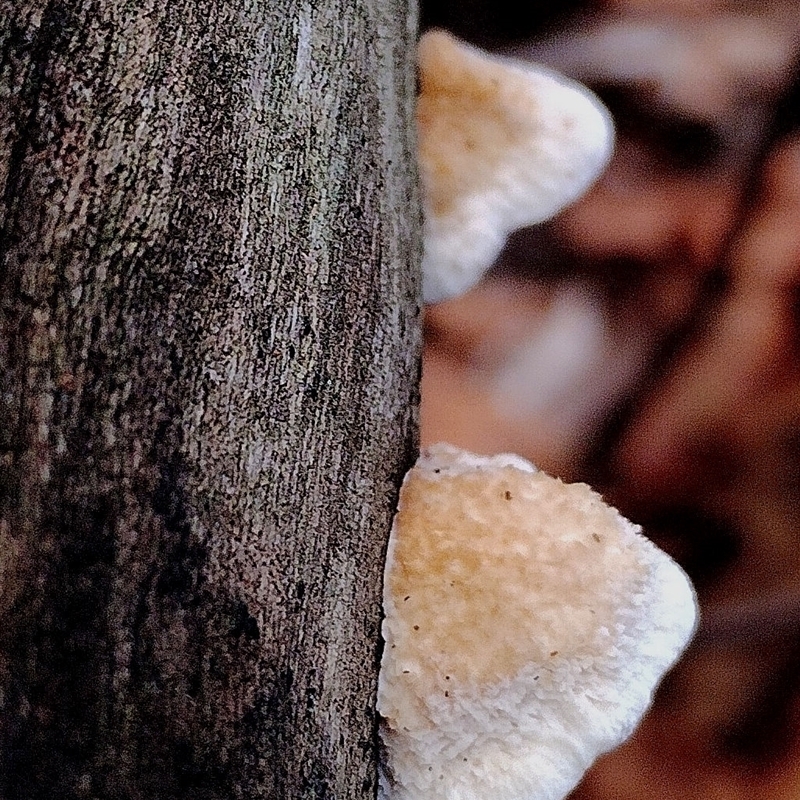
[[502, 144], [526, 627]]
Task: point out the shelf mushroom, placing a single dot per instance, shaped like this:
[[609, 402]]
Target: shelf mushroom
[[526, 627], [502, 144]]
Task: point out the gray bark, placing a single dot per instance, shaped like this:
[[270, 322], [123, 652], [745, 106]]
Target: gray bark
[[208, 386]]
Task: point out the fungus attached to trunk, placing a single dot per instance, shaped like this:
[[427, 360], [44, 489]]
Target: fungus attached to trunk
[[502, 144], [527, 626]]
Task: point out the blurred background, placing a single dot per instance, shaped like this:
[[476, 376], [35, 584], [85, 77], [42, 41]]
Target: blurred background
[[647, 341]]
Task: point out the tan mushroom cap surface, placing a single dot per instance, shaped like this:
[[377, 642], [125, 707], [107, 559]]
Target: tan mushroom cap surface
[[527, 626], [502, 144]]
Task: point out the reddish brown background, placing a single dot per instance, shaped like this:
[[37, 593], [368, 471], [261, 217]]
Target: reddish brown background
[[647, 341]]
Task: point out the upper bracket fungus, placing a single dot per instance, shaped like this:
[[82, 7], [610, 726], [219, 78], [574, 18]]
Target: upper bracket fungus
[[527, 626], [502, 144]]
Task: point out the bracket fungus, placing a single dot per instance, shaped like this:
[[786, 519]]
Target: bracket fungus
[[502, 144], [527, 625]]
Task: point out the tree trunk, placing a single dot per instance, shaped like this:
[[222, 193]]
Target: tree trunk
[[209, 356]]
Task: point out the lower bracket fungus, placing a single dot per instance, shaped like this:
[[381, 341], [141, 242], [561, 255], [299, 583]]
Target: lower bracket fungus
[[527, 626]]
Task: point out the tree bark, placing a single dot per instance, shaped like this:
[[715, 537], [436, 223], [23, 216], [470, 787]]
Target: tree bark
[[209, 351]]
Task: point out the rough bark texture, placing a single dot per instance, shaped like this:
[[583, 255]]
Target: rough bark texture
[[209, 352]]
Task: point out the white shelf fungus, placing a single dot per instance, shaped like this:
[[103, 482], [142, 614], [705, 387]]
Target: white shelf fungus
[[502, 144], [527, 626]]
